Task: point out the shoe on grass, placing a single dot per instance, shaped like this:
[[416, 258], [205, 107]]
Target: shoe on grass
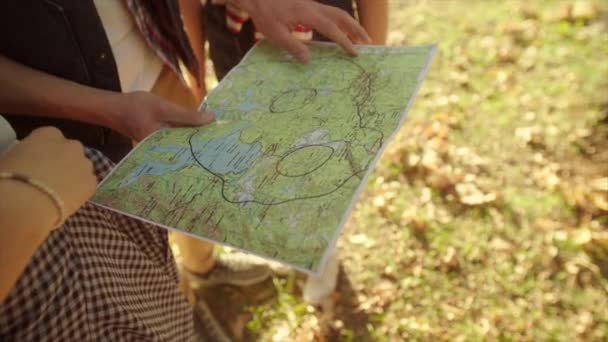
[[318, 288], [236, 269]]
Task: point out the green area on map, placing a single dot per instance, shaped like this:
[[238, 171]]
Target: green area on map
[[276, 174]]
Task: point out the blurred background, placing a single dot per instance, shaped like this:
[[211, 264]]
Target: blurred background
[[487, 216]]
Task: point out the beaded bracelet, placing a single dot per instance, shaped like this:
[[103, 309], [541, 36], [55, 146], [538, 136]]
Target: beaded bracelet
[[57, 201]]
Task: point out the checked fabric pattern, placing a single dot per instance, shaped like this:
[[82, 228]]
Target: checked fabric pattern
[[101, 276]]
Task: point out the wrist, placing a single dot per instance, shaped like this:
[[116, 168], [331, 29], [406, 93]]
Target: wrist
[[28, 208], [113, 111]]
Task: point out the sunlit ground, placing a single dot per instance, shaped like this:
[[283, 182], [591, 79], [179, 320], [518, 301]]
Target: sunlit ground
[[487, 216]]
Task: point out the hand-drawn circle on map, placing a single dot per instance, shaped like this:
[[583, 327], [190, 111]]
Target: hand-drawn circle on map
[[292, 99], [304, 160]]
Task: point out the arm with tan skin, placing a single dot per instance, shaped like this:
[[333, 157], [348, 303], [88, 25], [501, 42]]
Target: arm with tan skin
[[24, 90], [373, 16], [192, 16], [28, 215], [275, 19]]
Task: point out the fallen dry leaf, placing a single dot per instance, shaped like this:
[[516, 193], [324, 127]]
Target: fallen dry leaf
[[470, 194], [362, 240]]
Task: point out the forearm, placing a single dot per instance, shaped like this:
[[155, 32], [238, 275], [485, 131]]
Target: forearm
[[191, 12], [25, 222], [24, 90], [373, 16]]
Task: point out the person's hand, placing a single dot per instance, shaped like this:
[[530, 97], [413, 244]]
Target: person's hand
[[59, 163], [275, 19], [27, 214], [141, 114]]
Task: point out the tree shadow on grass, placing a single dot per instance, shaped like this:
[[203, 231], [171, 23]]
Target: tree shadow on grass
[[231, 307], [347, 310]]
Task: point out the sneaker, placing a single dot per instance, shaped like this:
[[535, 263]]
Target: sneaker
[[236, 269], [318, 288]]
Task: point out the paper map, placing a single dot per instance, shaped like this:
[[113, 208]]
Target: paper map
[[278, 171]]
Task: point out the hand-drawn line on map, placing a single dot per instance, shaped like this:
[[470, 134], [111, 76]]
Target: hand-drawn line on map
[[363, 83], [271, 203], [307, 172], [308, 93]]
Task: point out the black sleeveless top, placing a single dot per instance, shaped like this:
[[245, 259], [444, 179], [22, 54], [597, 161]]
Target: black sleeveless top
[[64, 38]]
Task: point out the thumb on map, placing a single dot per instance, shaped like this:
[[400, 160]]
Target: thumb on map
[[187, 117]]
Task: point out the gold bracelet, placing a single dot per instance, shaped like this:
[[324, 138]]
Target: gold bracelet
[[57, 201]]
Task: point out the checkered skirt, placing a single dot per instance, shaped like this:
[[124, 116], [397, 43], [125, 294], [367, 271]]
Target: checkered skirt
[[100, 276]]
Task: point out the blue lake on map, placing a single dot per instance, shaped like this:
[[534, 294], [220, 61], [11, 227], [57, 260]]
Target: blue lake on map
[[226, 154], [247, 104], [221, 155]]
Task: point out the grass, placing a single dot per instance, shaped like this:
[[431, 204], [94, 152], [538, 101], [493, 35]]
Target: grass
[[486, 218]]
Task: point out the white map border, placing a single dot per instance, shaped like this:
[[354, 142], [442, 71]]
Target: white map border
[[332, 244]]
